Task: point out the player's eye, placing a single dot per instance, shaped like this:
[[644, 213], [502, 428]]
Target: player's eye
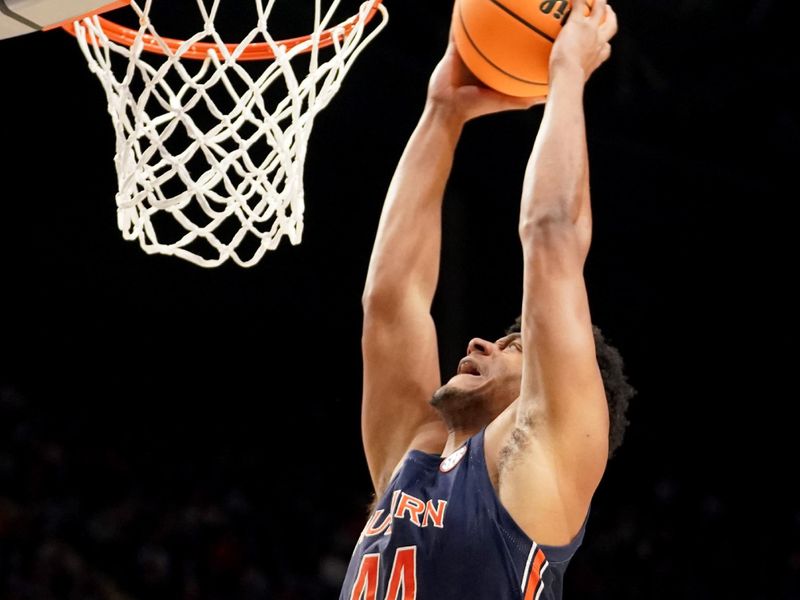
[[514, 343]]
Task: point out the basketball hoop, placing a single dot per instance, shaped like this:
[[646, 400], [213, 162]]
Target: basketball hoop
[[207, 168]]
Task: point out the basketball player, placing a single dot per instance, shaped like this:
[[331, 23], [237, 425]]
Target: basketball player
[[483, 484]]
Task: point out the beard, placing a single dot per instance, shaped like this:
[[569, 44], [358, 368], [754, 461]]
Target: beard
[[460, 407]]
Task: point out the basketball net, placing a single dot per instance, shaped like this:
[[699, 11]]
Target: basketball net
[[234, 188]]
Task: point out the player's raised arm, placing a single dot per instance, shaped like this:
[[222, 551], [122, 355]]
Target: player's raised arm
[[562, 388], [401, 365]]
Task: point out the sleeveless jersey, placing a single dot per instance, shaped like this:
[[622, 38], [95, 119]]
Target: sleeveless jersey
[[440, 533]]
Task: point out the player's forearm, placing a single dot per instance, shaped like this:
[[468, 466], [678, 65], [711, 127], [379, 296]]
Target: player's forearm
[[405, 257], [556, 181]]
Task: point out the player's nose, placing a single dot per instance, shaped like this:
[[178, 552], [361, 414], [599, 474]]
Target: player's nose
[[481, 346]]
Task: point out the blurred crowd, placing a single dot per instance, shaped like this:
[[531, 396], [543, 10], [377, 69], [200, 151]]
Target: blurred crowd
[[86, 517]]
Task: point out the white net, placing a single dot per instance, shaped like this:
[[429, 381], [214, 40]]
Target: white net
[[210, 154]]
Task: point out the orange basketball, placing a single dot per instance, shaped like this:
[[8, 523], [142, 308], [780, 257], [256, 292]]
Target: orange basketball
[[507, 43]]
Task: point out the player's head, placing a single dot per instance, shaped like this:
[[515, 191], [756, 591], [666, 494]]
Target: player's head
[[489, 379]]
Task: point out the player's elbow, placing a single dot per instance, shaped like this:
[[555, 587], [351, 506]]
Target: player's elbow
[[542, 224], [378, 292], [553, 250], [380, 305], [552, 230], [369, 297], [373, 303]]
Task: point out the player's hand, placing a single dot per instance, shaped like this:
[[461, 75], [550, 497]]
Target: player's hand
[[583, 43], [453, 87]]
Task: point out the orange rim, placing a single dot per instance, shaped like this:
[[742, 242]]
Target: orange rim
[[199, 51]]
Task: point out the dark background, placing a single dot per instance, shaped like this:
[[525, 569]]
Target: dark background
[[168, 431]]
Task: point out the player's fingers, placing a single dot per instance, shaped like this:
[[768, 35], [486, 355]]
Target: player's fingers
[[598, 11], [609, 27], [579, 6]]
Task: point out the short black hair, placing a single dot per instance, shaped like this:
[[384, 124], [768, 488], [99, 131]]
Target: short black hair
[[618, 390]]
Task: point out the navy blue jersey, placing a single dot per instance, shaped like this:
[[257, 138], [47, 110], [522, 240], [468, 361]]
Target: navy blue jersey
[[440, 533]]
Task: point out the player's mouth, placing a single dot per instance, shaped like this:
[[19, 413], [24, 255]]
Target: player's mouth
[[467, 366]]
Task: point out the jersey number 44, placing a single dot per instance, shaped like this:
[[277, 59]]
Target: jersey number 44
[[402, 581]]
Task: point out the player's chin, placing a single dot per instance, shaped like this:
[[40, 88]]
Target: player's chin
[[460, 391]]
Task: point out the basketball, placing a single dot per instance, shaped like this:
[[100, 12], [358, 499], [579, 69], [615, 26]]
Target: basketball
[[506, 43]]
